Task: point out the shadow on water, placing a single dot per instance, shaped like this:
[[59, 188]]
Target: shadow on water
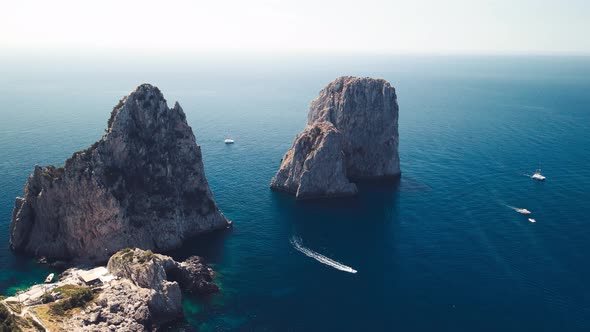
[[373, 195], [23, 271], [209, 245], [344, 228], [361, 217], [409, 185]]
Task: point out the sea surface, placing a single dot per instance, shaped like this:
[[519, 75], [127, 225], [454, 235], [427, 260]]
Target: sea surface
[[440, 250]]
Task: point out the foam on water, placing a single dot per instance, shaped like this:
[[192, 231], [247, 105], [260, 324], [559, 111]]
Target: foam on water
[[296, 242]]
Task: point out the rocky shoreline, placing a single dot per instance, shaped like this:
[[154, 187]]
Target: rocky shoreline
[[137, 291]]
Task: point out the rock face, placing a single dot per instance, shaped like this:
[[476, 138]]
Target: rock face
[[163, 277], [142, 185], [146, 293], [121, 307], [193, 276], [354, 123], [315, 167], [148, 271]]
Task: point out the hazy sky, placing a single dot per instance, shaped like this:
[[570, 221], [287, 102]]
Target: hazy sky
[[415, 26]]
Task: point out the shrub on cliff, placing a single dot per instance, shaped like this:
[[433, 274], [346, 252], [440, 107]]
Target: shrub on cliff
[[47, 298], [78, 299]]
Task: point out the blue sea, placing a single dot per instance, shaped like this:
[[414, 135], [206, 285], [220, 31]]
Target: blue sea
[[440, 250]]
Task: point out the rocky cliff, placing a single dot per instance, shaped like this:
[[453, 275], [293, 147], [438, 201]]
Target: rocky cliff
[[141, 185], [123, 306], [354, 123], [315, 167], [163, 277], [146, 293]]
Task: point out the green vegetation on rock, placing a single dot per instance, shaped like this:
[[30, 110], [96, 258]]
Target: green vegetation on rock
[[74, 297], [47, 298]]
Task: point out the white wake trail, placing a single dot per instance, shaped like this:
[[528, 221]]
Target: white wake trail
[[296, 242], [511, 207]]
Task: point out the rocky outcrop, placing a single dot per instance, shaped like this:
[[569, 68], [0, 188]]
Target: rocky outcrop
[[142, 185], [148, 271], [146, 293], [193, 276], [121, 307], [164, 277], [315, 167], [353, 122]]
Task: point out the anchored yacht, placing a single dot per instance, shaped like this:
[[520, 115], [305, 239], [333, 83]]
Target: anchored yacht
[[49, 278]]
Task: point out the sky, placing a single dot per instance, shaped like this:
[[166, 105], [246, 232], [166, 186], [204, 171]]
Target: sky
[[360, 26]]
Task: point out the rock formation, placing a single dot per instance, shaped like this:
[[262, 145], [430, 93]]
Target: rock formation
[[141, 185], [121, 307], [314, 167], [146, 293], [351, 134], [148, 271]]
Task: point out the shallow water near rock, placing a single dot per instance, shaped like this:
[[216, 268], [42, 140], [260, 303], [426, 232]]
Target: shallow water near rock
[[439, 250]]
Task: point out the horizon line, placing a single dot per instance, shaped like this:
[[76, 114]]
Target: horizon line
[[148, 52]]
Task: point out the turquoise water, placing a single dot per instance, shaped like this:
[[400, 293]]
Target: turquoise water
[[440, 250]]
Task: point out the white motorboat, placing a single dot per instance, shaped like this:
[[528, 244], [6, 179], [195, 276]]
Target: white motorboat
[[49, 278], [537, 175], [228, 141], [523, 211], [532, 220]]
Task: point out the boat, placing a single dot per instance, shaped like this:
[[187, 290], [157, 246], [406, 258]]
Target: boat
[[228, 141], [523, 211], [537, 175], [532, 220], [49, 278]]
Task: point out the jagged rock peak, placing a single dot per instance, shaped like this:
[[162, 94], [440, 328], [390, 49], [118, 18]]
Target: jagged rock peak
[[342, 91], [364, 112], [145, 97], [141, 185]]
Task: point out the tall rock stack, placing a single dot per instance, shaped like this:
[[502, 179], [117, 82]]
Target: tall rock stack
[[351, 134], [142, 185]]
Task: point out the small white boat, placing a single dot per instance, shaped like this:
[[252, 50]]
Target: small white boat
[[538, 176], [532, 220], [523, 211], [228, 141], [49, 278]]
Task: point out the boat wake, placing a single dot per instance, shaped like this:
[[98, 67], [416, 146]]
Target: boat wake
[[296, 242], [511, 207]]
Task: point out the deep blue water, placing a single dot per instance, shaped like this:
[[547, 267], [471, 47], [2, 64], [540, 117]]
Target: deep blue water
[[438, 251]]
